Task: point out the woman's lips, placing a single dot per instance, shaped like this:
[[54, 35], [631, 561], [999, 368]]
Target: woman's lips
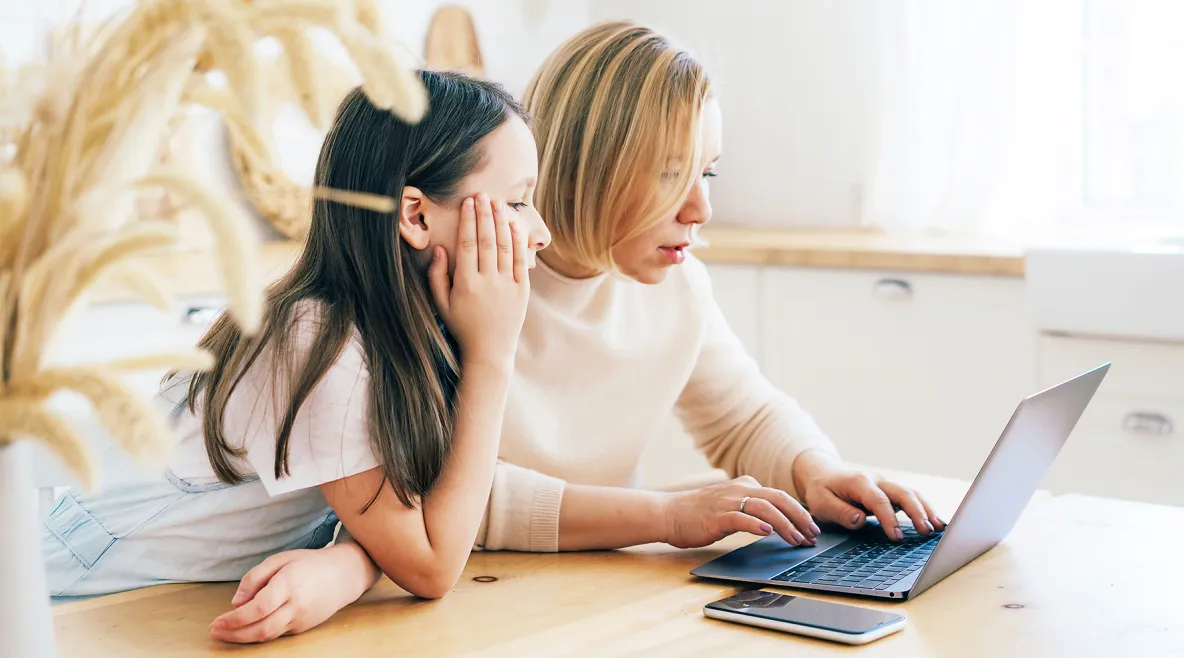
[[676, 254]]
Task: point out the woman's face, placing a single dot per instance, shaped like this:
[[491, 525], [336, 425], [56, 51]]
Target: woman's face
[[507, 174], [649, 256]]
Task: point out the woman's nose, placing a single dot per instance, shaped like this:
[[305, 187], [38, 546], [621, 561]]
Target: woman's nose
[[697, 208], [540, 236]]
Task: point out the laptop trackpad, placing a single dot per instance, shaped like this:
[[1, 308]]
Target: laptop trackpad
[[761, 560]]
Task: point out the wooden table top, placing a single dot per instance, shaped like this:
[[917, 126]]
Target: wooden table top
[[1078, 576]]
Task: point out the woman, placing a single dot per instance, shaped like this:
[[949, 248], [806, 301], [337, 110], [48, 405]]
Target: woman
[[621, 330], [374, 392]]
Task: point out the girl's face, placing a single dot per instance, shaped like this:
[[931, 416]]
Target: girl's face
[[507, 174], [649, 256]]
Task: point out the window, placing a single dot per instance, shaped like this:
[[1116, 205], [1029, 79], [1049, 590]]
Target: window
[[1133, 114]]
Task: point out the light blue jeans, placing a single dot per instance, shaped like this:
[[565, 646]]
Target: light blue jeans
[[157, 528]]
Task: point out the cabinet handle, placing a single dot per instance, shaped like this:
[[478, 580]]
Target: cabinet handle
[[893, 289], [199, 315], [1142, 422]]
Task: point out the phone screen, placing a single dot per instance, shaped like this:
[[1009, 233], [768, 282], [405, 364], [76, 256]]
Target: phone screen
[[805, 612]]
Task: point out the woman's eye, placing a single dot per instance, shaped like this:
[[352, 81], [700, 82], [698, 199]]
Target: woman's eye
[[517, 206], [709, 174]]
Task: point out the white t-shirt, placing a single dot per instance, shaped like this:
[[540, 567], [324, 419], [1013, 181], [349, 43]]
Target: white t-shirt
[[329, 439]]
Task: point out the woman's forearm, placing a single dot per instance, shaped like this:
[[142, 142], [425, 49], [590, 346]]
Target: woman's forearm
[[592, 518]]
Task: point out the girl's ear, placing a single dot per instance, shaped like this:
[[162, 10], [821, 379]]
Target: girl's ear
[[412, 225]]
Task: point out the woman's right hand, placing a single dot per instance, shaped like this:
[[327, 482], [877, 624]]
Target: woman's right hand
[[701, 517], [484, 302]]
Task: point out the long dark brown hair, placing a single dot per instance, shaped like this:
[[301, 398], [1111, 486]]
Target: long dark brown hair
[[363, 276]]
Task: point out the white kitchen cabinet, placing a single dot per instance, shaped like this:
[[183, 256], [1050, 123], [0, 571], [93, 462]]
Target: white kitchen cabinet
[[671, 455], [912, 371], [1129, 442]]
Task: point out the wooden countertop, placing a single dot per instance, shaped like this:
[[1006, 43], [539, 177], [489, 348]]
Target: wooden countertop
[[862, 249], [191, 274], [1053, 588]]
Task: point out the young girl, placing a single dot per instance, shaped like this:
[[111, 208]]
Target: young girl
[[374, 392], [622, 330]]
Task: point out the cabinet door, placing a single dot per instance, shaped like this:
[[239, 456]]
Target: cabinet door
[[911, 371], [108, 331], [671, 455], [1129, 442]]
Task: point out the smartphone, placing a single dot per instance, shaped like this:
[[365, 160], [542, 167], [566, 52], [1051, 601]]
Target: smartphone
[[836, 622]]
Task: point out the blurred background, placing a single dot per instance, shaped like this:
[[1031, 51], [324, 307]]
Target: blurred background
[[926, 209], [998, 116]]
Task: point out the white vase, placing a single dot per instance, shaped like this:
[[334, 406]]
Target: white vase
[[26, 624]]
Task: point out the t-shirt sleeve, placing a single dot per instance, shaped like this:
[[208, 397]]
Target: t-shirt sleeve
[[329, 439]]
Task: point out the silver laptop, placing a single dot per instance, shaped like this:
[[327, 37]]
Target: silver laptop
[[866, 563]]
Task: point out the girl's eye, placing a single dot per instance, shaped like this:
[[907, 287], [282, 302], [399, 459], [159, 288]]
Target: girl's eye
[[518, 206]]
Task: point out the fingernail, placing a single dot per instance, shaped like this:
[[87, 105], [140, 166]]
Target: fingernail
[[929, 525], [238, 596], [766, 528], [815, 530], [856, 518], [469, 203], [798, 536], [898, 533]]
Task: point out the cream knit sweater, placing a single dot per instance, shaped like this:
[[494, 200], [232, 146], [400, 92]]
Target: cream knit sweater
[[601, 363]]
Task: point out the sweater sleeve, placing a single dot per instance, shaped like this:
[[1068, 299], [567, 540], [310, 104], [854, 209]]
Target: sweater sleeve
[[738, 419], [522, 513]]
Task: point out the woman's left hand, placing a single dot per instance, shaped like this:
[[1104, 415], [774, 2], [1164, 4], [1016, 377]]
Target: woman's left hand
[[837, 493]]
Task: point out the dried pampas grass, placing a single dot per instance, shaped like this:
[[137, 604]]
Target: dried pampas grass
[[27, 417], [93, 137], [317, 86], [233, 231]]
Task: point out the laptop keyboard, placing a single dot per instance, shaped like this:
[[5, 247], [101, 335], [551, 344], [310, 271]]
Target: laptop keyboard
[[874, 564]]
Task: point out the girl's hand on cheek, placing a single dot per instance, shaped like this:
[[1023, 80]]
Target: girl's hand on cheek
[[484, 303]]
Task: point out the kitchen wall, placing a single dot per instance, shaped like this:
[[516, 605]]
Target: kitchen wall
[[515, 37], [798, 83], [515, 34]]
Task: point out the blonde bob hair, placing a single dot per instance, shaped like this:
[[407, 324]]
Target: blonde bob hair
[[617, 110]]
